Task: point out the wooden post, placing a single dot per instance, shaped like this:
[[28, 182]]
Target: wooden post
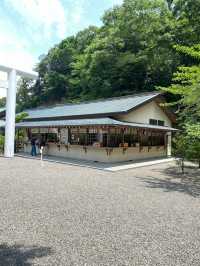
[[122, 136], [115, 136], [69, 135], [78, 133], [108, 136], [86, 136]]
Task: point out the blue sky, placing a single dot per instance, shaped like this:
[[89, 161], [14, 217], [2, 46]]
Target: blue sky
[[30, 27]]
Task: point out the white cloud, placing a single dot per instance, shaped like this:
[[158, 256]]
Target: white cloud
[[17, 58], [78, 11], [45, 22], [42, 20], [13, 49], [13, 53], [45, 15]]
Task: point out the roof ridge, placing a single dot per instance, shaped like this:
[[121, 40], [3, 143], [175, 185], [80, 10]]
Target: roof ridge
[[118, 97], [97, 100]]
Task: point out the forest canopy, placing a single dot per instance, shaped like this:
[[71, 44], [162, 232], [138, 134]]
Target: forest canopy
[[133, 51]]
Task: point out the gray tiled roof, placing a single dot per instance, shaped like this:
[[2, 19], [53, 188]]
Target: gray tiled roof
[[88, 122], [109, 106]]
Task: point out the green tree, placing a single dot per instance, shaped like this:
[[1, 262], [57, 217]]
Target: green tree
[[187, 29], [193, 134], [2, 102], [186, 86], [186, 89], [131, 52], [2, 140], [180, 149], [24, 94], [20, 117]]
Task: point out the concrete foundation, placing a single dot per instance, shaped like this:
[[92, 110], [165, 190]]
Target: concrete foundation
[[106, 155]]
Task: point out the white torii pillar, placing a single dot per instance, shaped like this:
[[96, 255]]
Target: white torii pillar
[[11, 105]]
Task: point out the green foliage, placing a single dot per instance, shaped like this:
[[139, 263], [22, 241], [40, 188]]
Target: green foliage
[[131, 52], [25, 95], [186, 89], [180, 146], [20, 117], [193, 131], [20, 133], [2, 102], [2, 139], [186, 86], [193, 136], [187, 143]]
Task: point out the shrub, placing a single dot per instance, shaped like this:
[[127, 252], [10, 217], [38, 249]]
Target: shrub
[[2, 140]]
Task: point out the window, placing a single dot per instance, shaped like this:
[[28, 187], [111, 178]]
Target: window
[[156, 122], [157, 139], [83, 136], [161, 123], [52, 137], [153, 122], [92, 137]]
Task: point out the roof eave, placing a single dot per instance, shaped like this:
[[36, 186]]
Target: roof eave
[[143, 103], [99, 115]]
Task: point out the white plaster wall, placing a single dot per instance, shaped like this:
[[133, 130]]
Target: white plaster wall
[[102, 154], [144, 113]]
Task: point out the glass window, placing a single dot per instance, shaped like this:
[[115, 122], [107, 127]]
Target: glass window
[[156, 122], [161, 123], [153, 122]]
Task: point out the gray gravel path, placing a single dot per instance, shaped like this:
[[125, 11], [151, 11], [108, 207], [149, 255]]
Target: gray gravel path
[[54, 214]]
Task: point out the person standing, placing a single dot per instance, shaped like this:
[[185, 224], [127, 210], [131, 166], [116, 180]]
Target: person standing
[[33, 147]]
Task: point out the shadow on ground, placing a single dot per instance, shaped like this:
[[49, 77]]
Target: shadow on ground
[[171, 179], [19, 255]]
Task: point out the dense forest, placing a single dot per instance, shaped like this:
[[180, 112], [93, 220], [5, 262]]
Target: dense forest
[[133, 51]]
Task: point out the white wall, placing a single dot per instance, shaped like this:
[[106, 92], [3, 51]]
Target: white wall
[[102, 154], [144, 113]]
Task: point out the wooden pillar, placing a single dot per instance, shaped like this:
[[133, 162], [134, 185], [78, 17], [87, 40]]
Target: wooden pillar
[[78, 133], [108, 137], [140, 137], [123, 136], [86, 136], [69, 135], [115, 137]]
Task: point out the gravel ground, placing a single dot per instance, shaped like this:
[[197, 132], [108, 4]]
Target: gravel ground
[[54, 214]]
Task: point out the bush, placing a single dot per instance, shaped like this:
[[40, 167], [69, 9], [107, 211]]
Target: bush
[[2, 140]]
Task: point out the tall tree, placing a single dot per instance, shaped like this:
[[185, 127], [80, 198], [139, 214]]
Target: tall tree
[[131, 52], [186, 85], [186, 88]]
